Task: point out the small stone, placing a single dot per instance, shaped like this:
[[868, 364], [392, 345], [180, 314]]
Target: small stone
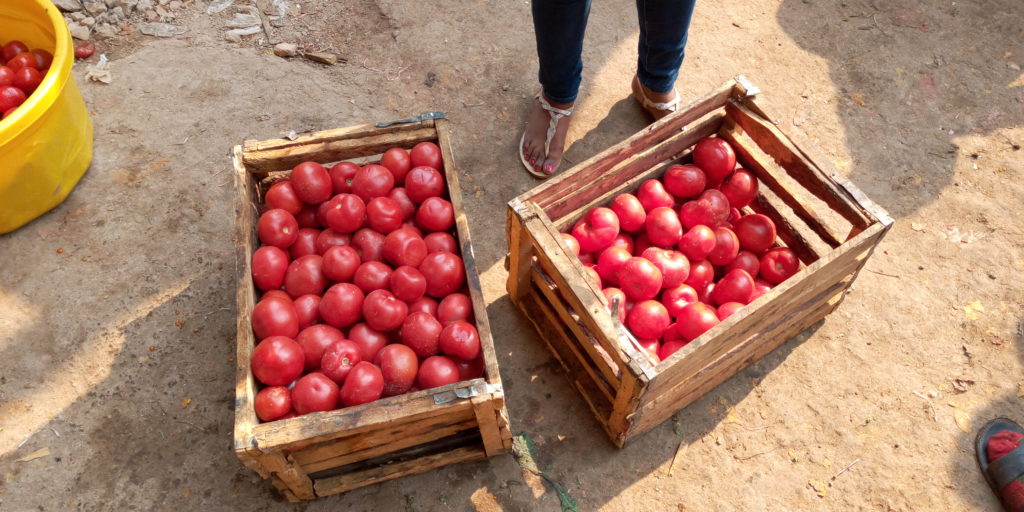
[[286, 50], [164, 2], [117, 13], [151, 15], [127, 5], [88, 21], [160, 11], [79, 31], [144, 5], [110, 3], [68, 5], [94, 7], [1014, 66], [175, 5], [77, 16], [324, 58], [105, 30], [232, 37]]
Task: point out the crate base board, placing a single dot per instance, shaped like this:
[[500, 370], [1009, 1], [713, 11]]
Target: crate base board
[[355, 480]]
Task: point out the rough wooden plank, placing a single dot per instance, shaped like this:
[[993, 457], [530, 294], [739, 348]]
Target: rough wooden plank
[[245, 235], [807, 247], [265, 160], [520, 249], [291, 474], [350, 481], [336, 134], [487, 422], [554, 189], [770, 174], [625, 405]]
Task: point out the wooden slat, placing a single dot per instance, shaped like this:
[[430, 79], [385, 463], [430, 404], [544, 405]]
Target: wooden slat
[[805, 284], [487, 422], [355, 480], [324, 426], [554, 189], [777, 145], [264, 160], [336, 134], [291, 474], [476, 293], [777, 331], [771, 175], [625, 405], [245, 235], [520, 249], [808, 247], [622, 175]]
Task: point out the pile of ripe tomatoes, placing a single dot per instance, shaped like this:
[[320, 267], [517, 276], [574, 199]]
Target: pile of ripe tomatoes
[[21, 72]]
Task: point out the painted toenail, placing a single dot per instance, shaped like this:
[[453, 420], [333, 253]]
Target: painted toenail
[[549, 168]]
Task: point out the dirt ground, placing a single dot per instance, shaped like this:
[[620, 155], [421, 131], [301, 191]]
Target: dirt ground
[[117, 309]]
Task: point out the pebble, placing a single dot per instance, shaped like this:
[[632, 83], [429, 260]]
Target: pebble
[[105, 30], [78, 31], [151, 15], [1014, 66], [94, 7], [77, 16], [232, 37], [117, 13], [68, 5], [175, 5], [144, 5], [286, 50], [160, 11], [88, 21], [324, 58]]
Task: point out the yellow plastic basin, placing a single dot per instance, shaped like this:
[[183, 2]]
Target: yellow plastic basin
[[46, 145]]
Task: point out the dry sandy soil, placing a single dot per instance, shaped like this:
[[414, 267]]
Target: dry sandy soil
[[117, 323]]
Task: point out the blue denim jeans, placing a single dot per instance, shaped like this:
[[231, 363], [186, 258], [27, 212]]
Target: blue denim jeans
[[559, 26]]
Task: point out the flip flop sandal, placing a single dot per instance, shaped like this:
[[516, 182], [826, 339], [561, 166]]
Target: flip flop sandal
[[556, 115], [656, 109], [1006, 469]]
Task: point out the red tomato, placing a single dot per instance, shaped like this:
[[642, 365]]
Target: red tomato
[[405, 204], [663, 227], [282, 195], [10, 97], [314, 340], [641, 244], [745, 260], [372, 275], [444, 272], [685, 181], [274, 317], [398, 162], [307, 311], [342, 305], [384, 214], [736, 286], [695, 319], [670, 347], [407, 283], [307, 217], [437, 371], [6, 76], [469, 370], [756, 233], [705, 294], [27, 79], [591, 272], [652, 194], [277, 361], [305, 275], [727, 246], [426, 153], [345, 213], [329, 238], [698, 242], [726, 310], [610, 294], [84, 50], [43, 58], [425, 305], [312, 182], [630, 212], [639, 279], [369, 244], [272, 403], [588, 258], [461, 340], [369, 340], [339, 358], [342, 174], [568, 241], [313, 393], [648, 319], [710, 209], [445, 242], [779, 264], [373, 181], [383, 311], [609, 263], [13, 48], [596, 230], [677, 298], [398, 365], [278, 228], [455, 307], [716, 157], [340, 263], [702, 273], [269, 265], [364, 384], [740, 188], [650, 345], [305, 243], [421, 332], [277, 294], [435, 214], [22, 60], [625, 241], [734, 215], [674, 267], [423, 182], [761, 287], [404, 247]]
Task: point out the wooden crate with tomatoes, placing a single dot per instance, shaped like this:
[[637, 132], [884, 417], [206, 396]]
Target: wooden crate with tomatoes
[[346, 443], [826, 229]]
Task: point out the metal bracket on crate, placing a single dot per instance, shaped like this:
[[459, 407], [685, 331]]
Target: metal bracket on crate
[[418, 119], [470, 392], [749, 89]]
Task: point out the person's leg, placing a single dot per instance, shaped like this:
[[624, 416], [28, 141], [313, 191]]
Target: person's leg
[[559, 26], [663, 31]]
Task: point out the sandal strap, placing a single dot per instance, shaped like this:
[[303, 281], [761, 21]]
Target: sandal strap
[[1007, 468], [556, 115], [671, 106]]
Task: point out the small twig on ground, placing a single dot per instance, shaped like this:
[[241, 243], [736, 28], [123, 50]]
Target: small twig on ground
[[672, 466], [883, 273], [874, 18], [182, 143], [387, 75], [847, 468], [757, 454], [55, 432]]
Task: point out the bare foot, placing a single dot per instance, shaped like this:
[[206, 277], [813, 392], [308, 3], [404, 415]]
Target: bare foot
[[640, 91], [537, 131]]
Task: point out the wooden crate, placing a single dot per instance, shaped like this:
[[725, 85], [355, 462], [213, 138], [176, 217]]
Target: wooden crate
[[827, 221], [331, 452]]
